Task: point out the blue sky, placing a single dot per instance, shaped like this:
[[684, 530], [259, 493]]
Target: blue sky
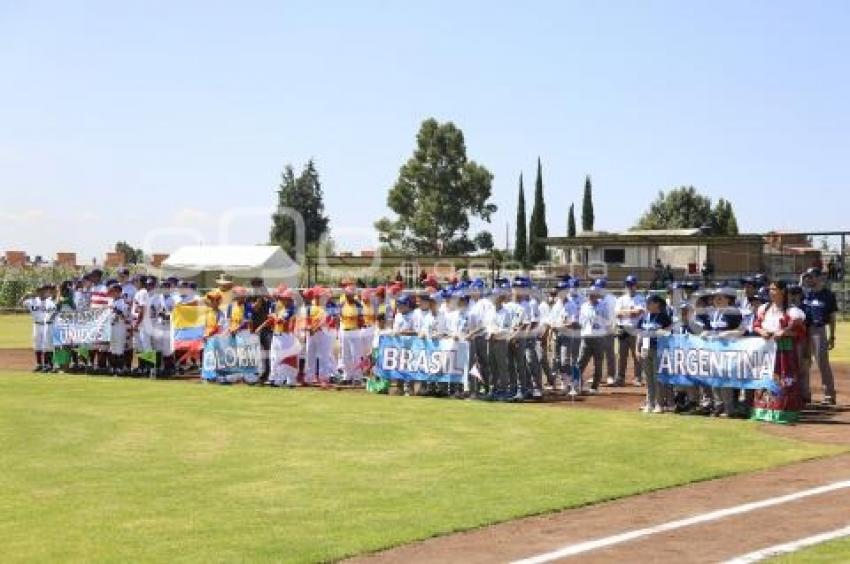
[[147, 121]]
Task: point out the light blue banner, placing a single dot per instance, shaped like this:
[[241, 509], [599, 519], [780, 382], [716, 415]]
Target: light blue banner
[[690, 360], [86, 327], [226, 356], [423, 360]]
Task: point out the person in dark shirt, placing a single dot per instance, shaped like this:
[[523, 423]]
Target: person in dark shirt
[[257, 311], [820, 306], [656, 321]]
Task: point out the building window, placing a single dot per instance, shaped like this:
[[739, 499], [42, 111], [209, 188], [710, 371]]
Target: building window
[[614, 256]]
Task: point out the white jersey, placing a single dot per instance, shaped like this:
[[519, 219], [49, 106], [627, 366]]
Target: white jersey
[[403, 322], [142, 306], [82, 299], [545, 312], [42, 310], [499, 321], [595, 320], [478, 314], [627, 302], [457, 322], [128, 291], [564, 312], [120, 311]]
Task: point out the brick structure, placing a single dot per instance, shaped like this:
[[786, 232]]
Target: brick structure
[[66, 259], [16, 258]]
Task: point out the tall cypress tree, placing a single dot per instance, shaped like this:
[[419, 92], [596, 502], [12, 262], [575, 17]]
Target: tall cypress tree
[[587, 206], [521, 242], [537, 228], [571, 222]]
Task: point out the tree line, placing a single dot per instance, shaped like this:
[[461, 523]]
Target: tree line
[[440, 191]]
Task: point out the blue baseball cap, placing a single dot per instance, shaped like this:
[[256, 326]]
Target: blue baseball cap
[[574, 283], [600, 283], [631, 280]]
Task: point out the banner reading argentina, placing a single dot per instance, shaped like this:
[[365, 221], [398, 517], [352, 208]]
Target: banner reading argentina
[[426, 360], [187, 328], [86, 327], [690, 360]]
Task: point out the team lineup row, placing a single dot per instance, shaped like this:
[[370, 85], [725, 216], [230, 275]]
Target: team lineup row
[[522, 339]]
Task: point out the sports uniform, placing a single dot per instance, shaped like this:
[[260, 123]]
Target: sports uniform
[[42, 308]]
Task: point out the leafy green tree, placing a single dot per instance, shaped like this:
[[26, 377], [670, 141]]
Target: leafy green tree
[[571, 222], [587, 217], [684, 208], [484, 241], [131, 255], [302, 195], [437, 192], [538, 230], [521, 238]]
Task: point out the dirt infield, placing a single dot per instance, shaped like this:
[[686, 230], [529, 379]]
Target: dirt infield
[[713, 540]]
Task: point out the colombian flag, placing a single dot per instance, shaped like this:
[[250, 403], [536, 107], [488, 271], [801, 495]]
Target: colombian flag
[[187, 328]]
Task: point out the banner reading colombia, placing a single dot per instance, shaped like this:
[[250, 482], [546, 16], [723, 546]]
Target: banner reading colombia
[[689, 360], [426, 360], [75, 328]]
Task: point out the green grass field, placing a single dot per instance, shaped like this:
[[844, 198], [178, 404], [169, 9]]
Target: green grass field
[[833, 552], [117, 470], [15, 331]]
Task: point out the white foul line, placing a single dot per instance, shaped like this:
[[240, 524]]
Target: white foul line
[[587, 546], [786, 548]]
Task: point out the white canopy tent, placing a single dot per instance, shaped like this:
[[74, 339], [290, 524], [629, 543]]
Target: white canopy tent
[[205, 263]]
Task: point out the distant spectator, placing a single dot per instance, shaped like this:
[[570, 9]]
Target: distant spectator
[[831, 270]]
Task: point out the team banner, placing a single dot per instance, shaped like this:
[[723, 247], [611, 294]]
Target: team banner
[[75, 328], [232, 357], [187, 327], [427, 360], [689, 360]]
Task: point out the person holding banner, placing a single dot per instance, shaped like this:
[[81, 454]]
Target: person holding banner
[[656, 322], [316, 362], [722, 320], [42, 308], [118, 336], [785, 324], [285, 347]]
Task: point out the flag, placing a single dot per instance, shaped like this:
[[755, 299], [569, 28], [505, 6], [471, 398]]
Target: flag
[[148, 356], [187, 328]]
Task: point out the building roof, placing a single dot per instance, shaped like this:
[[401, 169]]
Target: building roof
[[673, 237]]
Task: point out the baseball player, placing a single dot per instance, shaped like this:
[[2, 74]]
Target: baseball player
[[820, 307], [595, 319], [118, 336], [564, 319], [629, 309], [42, 308], [162, 306], [143, 324]]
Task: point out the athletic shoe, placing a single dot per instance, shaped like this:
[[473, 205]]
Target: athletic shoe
[[639, 383], [592, 391], [657, 409], [828, 401], [610, 381], [519, 396], [644, 409], [536, 394]]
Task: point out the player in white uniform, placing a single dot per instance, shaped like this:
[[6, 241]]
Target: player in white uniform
[[42, 308], [629, 310], [143, 324], [162, 305], [118, 337]]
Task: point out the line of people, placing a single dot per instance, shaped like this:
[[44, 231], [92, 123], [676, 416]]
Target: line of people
[[522, 340]]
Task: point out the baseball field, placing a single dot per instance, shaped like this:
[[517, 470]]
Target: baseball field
[[108, 469]]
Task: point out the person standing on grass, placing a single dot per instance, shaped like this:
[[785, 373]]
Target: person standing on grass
[[722, 320], [42, 308], [785, 324], [480, 311], [629, 310], [499, 326], [820, 307], [283, 356], [595, 321], [564, 320], [654, 323]]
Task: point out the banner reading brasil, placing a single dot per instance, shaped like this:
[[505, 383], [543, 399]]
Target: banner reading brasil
[[76, 328], [689, 360], [426, 360]]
